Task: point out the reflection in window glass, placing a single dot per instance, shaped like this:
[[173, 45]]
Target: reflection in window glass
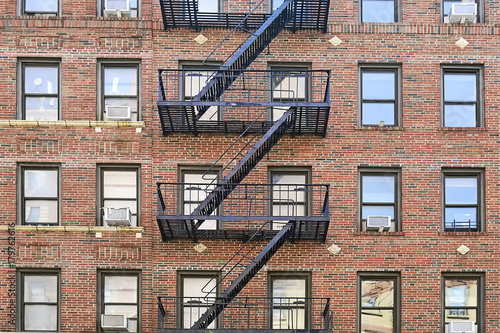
[[377, 305], [40, 91], [120, 296], [40, 195], [41, 7], [378, 195], [120, 190], [446, 7], [208, 6], [289, 297], [379, 102], [121, 91], [461, 299], [40, 301], [460, 99], [276, 4], [461, 197], [381, 11], [121, 4]]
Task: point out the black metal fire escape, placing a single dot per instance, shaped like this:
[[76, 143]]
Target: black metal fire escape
[[298, 116]]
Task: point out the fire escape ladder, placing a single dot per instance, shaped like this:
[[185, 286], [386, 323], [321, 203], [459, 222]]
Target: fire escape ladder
[[243, 56], [245, 165], [245, 276]]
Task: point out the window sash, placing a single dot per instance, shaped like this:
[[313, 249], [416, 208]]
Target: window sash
[[30, 7], [385, 313], [114, 95], [50, 321], [133, 6], [446, 7], [384, 14], [48, 98], [450, 113], [48, 206], [390, 118], [113, 201], [296, 316]]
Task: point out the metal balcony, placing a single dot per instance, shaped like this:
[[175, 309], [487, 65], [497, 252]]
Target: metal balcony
[[244, 211], [308, 14], [251, 314], [254, 100]]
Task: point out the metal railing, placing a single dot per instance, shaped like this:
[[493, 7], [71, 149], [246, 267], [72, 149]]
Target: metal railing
[[466, 226], [276, 88], [249, 313]]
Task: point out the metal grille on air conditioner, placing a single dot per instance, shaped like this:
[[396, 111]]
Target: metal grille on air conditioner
[[118, 112], [461, 327], [377, 222], [114, 322], [114, 217]]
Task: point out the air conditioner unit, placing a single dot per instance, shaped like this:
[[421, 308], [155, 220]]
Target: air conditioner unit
[[378, 222], [118, 112], [114, 322], [117, 217], [461, 327], [116, 8], [464, 12]]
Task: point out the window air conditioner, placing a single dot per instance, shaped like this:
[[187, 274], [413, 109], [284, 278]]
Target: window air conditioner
[[117, 217], [117, 8], [378, 222], [464, 12], [118, 112], [461, 327], [114, 322]]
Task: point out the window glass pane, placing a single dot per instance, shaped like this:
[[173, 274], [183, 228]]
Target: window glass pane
[[41, 211], [120, 289], [128, 310], [40, 317], [288, 209], [377, 321], [289, 178], [459, 214], [120, 184], [40, 289], [378, 11], [40, 183], [447, 5], [276, 4], [289, 288], [460, 116], [377, 293], [199, 287], [377, 211], [461, 292], [378, 85], [378, 189], [41, 108], [40, 5], [192, 312], [460, 87], [120, 81], [288, 86], [41, 79], [373, 113], [131, 204], [194, 82], [209, 6], [289, 316], [461, 190]]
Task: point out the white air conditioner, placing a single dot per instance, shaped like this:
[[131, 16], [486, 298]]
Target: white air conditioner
[[116, 8], [464, 12], [378, 222], [114, 322], [118, 112], [461, 327], [117, 217]]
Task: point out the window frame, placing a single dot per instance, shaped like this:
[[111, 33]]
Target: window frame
[[396, 173], [101, 279], [465, 69], [181, 275], [307, 171], [480, 277], [382, 68], [103, 64], [20, 275], [480, 11], [397, 12], [100, 9], [290, 275], [396, 308], [101, 169], [22, 95], [465, 173], [197, 169], [21, 5], [22, 167]]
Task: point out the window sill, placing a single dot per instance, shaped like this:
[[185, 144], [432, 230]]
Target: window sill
[[71, 123], [75, 229], [462, 129], [463, 233], [378, 128], [376, 233]]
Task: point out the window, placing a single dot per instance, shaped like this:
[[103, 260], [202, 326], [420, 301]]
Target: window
[[120, 91], [380, 96], [40, 90], [119, 188], [379, 303], [39, 7], [379, 11], [275, 4], [289, 304], [40, 300], [288, 84], [290, 195], [198, 292], [118, 8], [447, 4], [197, 186], [209, 6], [196, 77], [463, 200], [462, 300], [119, 294], [380, 195], [40, 198], [462, 97]]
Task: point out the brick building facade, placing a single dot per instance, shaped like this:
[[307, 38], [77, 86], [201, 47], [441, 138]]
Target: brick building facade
[[410, 132]]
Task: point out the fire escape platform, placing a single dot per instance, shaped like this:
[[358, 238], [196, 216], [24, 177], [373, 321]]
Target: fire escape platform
[[308, 14]]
